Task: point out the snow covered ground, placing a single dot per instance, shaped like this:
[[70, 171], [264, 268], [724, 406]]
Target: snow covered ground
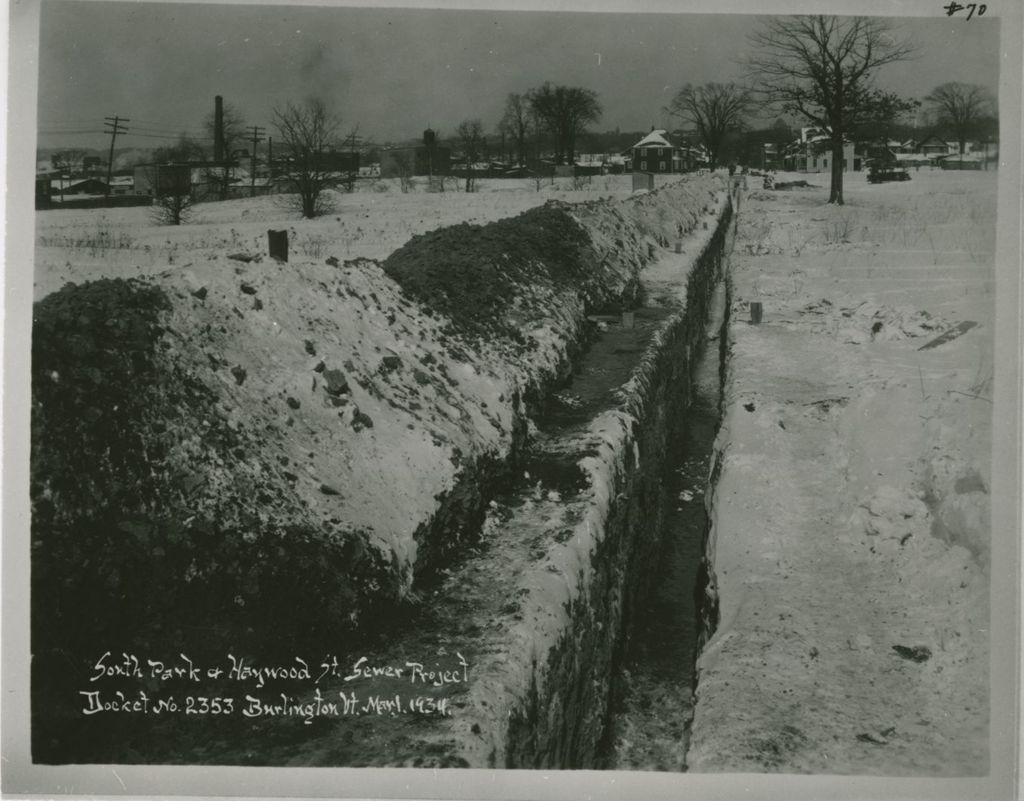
[[852, 541], [84, 244], [851, 520]]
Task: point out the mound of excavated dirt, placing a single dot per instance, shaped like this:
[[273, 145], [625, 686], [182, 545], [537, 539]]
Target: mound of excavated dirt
[[470, 272], [257, 455]]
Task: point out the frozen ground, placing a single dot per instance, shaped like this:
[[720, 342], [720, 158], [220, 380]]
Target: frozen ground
[[851, 540], [852, 530], [84, 244]]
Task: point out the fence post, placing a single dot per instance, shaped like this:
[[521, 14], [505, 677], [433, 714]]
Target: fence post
[[277, 243]]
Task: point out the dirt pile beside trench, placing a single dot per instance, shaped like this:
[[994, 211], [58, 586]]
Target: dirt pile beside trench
[[257, 455]]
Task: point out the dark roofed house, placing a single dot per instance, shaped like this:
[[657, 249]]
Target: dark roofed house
[[82, 186], [654, 153], [933, 146]]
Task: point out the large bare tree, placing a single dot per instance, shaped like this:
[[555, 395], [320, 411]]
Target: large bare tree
[[715, 109], [516, 123], [565, 111], [961, 106], [470, 136], [822, 68], [306, 133]]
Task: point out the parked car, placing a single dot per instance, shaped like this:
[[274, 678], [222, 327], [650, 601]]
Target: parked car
[[879, 174]]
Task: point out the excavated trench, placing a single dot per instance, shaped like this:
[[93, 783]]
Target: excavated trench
[[573, 603], [653, 703]]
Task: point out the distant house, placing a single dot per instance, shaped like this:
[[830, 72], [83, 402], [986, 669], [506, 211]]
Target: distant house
[[812, 152], [245, 184], [933, 146], [654, 153], [955, 161], [122, 185], [79, 186], [913, 160], [591, 164], [205, 180], [771, 156]]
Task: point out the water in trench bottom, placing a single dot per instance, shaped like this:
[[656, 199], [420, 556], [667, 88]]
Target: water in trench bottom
[[649, 725]]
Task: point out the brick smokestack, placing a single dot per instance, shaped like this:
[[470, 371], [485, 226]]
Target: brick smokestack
[[218, 129]]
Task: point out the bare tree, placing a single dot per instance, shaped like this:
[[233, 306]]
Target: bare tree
[[715, 109], [961, 106], [403, 162], [173, 197], [565, 111], [173, 209], [184, 150], [306, 133], [516, 123], [822, 68], [470, 135], [69, 161]]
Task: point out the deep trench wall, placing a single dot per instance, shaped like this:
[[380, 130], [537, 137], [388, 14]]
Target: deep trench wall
[[563, 720], [226, 448]]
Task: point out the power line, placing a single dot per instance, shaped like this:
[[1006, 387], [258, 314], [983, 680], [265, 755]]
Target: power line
[[83, 127], [71, 133], [171, 136]]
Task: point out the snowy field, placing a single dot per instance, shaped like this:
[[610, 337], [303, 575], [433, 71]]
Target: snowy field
[[84, 244], [852, 530]]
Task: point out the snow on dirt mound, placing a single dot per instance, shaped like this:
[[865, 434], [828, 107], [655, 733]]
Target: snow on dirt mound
[[272, 453]]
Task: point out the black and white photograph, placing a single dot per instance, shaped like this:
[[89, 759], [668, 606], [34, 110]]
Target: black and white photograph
[[532, 401]]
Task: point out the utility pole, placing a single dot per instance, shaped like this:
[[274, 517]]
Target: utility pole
[[114, 124], [256, 138]]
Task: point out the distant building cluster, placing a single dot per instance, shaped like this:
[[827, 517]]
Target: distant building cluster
[[658, 152], [811, 152]]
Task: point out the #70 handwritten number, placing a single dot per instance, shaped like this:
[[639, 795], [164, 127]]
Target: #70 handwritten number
[[970, 8]]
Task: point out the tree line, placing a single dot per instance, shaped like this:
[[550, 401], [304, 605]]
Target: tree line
[[820, 70]]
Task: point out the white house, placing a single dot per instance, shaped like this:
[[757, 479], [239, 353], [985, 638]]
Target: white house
[[812, 152]]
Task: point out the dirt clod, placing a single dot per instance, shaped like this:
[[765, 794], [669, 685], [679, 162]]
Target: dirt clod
[[917, 653], [336, 384]]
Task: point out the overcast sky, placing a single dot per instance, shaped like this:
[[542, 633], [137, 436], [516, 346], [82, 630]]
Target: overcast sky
[[393, 72]]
